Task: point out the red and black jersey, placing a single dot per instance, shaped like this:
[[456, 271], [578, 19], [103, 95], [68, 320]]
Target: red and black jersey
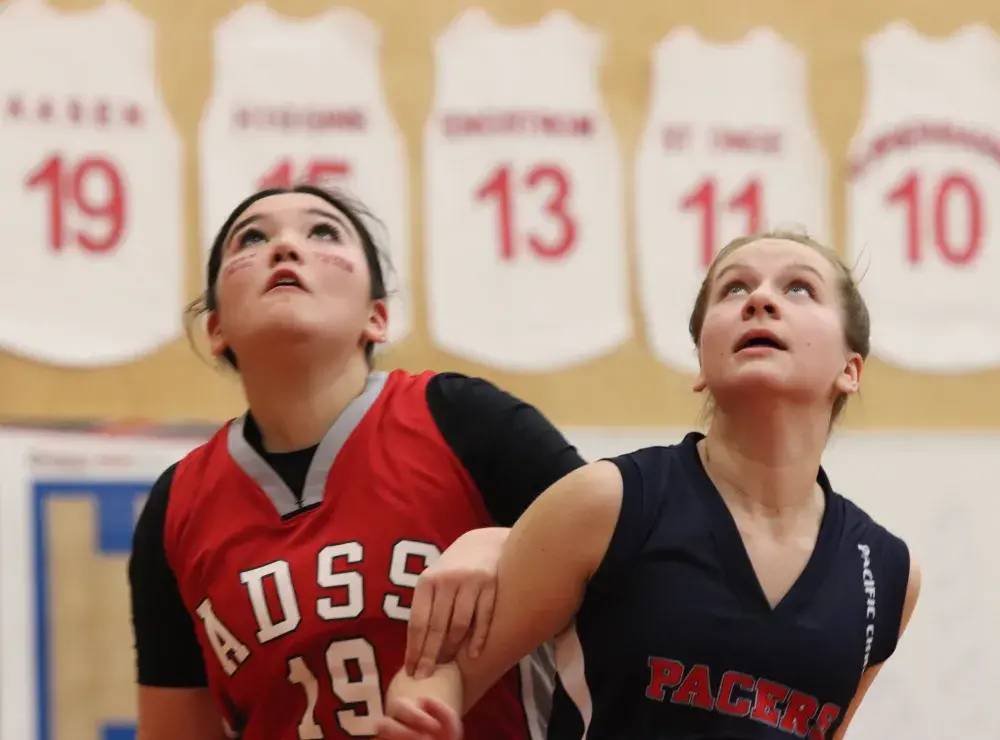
[[283, 581]]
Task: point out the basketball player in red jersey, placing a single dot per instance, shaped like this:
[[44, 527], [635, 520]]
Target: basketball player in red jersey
[[273, 568]]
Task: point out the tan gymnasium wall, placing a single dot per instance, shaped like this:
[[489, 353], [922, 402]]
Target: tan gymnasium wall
[[629, 387]]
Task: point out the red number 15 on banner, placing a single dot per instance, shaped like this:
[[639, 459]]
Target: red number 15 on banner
[[317, 172]]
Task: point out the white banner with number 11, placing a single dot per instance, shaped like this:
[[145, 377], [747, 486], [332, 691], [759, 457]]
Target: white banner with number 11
[[924, 185], [729, 150]]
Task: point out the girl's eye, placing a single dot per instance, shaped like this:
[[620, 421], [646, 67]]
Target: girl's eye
[[251, 236], [326, 231], [733, 287], [802, 286]]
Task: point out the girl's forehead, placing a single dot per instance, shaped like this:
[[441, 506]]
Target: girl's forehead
[[769, 255], [288, 203]]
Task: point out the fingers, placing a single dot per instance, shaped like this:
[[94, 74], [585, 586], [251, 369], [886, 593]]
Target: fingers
[[391, 729], [484, 616], [437, 629], [431, 719], [420, 617], [462, 613], [446, 717]]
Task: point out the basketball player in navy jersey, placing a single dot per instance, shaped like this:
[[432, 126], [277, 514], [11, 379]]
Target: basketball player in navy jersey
[[720, 587], [273, 567]]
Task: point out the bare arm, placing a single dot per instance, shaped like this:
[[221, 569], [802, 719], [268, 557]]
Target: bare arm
[[168, 714], [547, 561], [909, 604], [174, 701]]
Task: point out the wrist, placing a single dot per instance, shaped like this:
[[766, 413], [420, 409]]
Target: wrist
[[445, 685]]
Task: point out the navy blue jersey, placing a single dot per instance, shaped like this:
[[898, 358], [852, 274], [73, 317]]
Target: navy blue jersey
[[675, 639]]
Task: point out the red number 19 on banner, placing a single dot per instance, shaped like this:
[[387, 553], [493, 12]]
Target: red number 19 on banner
[[317, 172], [71, 187]]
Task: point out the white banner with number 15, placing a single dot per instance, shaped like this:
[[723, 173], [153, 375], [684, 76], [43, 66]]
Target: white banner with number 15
[[300, 101]]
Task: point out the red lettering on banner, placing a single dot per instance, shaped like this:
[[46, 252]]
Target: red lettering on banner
[[518, 123], [676, 137], [747, 141], [90, 192], [95, 112], [703, 201], [910, 136], [498, 187], [259, 117], [929, 201]]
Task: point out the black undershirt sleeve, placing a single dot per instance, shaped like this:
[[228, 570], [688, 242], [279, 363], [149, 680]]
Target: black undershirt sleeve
[[167, 650], [511, 451]]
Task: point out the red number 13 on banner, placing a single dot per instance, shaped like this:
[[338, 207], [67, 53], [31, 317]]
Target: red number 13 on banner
[[317, 172], [70, 187], [501, 187]]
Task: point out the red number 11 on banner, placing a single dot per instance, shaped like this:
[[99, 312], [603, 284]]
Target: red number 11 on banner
[[317, 172], [704, 198]]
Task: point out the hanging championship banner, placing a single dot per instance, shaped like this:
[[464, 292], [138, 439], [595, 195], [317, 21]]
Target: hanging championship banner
[[525, 239], [90, 188], [923, 187], [301, 101], [729, 150]]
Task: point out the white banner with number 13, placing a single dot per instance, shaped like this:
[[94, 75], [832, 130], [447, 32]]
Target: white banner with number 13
[[526, 262]]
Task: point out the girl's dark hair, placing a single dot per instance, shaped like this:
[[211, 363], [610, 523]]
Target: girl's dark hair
[[355, 212]]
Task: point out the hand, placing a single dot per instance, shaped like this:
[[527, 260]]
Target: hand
[[455, 593], [420, 719]]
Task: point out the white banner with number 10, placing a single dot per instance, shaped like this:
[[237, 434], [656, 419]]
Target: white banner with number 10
[[90, 188], [924, 187]]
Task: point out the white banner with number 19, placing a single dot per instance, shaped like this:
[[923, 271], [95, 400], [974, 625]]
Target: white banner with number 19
[[90, 188]]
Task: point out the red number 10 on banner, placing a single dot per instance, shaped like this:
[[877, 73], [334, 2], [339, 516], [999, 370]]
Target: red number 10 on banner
[[952, 188], [70, 186], [316, 172]]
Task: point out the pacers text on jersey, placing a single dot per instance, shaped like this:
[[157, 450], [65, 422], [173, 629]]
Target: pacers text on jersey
[[742, 695]]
